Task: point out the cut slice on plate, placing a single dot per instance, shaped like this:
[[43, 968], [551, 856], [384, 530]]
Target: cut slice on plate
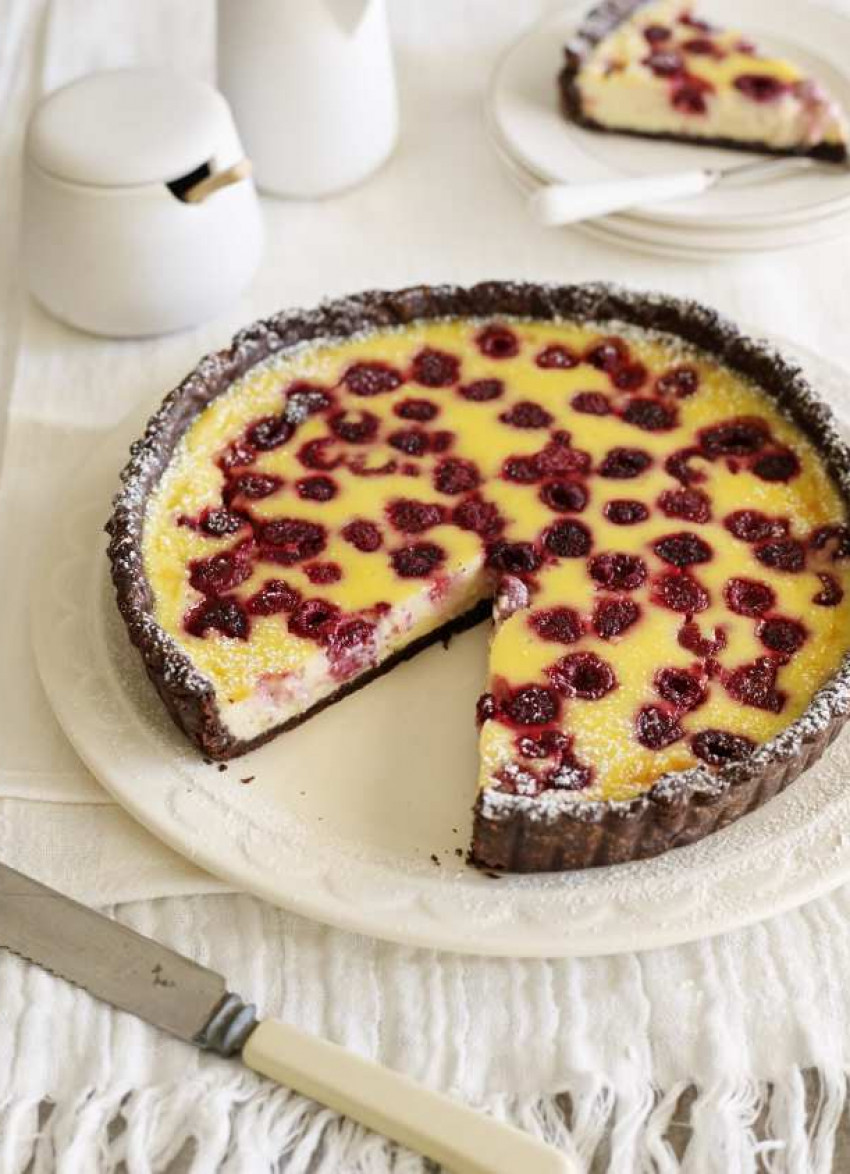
[[658, 70], [654, 507]]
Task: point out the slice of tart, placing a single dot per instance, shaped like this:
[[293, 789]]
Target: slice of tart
[[654, 508], [657, 69]]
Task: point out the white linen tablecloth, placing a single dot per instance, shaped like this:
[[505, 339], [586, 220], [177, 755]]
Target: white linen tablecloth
[[573, 1049]]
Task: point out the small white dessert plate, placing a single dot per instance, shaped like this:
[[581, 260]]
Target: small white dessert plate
[[361, 817], [523, 104]]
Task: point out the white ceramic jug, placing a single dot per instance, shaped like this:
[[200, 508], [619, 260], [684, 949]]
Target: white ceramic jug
[[312, 88]]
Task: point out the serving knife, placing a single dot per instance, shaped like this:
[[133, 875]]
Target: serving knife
[[556, 204], [137, 974]]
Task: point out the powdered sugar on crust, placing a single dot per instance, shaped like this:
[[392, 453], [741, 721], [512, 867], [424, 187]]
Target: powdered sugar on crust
[[190, 696]]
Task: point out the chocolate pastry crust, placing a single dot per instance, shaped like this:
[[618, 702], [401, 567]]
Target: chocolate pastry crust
[[512, 832], [597, 25]]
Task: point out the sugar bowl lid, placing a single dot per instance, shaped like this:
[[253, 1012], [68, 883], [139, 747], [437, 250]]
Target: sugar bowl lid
[[128, 127]]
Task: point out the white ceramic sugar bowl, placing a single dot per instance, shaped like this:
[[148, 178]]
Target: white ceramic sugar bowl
[[140, 216]]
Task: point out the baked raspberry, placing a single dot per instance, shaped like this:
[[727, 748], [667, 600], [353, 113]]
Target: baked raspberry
[[718, 747], [220, 522], [223, 571], [748, 597], [564, 497], [313, 619], [368, 379], [754, 526], [691, 638], [607, 355], [421, 410], [532, 705], [543, 745], [678, 465], [591, 403], [582, 674], [481, 517], [305, 399], [415, 517], [442, 441], [689, 95], [613, 616], [418, 560], [236, 456], [679, 592], [360, 466], [485, 708], [703, 47], [323, 572], [270, 432], [682, 550], [511, 596], [557, 457], [253, 486], [482, 390], [523, 470], [831, 592], [678, 381], [618, 571], [319, 488], [833, 538], [453, 476], [786, 554], [526, 415], [497, 342], [348, 635], [665, 63], [656, 727], [690, 505], [740, 437], [568, 539], [226, 616], [557, 357], [759, 87], [655, 33], [781, 465], [755, 685], [624, 511], [289, 540], [433, 368], [622, 464], [516, 558], [629, 377], [274, 596], [364, 536], [694, 22], [650, 414], [414, 442], [562, 625], [314, 454], [681, 687], [354, 427], [782, 635]]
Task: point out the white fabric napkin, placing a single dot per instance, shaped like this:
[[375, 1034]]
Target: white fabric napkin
[[620, 1037]]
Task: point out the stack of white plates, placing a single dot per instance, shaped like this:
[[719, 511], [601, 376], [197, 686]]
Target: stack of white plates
[[796, 205]]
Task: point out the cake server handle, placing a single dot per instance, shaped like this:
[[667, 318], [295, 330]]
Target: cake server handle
[[447, 1131], [563, 203]]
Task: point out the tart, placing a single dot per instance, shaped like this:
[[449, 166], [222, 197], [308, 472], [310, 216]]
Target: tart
[[658, 70], [653, 507]]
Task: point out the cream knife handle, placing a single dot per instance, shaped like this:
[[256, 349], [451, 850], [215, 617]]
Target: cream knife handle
[[461, 1139], [560, 203]]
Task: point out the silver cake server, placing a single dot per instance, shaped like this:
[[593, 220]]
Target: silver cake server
[[137, 974], [556, 204]]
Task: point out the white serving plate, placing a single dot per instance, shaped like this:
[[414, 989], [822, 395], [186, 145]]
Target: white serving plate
[[360, 818], [523, 103]]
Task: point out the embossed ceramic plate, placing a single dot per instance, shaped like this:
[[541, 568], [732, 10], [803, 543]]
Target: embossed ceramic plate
[[523, 105], [361, 817]]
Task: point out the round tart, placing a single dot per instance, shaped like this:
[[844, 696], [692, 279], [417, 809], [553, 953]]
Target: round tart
[[653, 507]]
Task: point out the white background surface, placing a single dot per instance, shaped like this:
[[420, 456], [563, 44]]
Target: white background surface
[[632, 1031]]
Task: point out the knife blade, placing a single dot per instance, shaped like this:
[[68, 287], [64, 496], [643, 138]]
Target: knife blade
[[138, 975]]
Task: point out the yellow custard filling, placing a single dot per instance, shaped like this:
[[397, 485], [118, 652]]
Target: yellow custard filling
[[290, 549]]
